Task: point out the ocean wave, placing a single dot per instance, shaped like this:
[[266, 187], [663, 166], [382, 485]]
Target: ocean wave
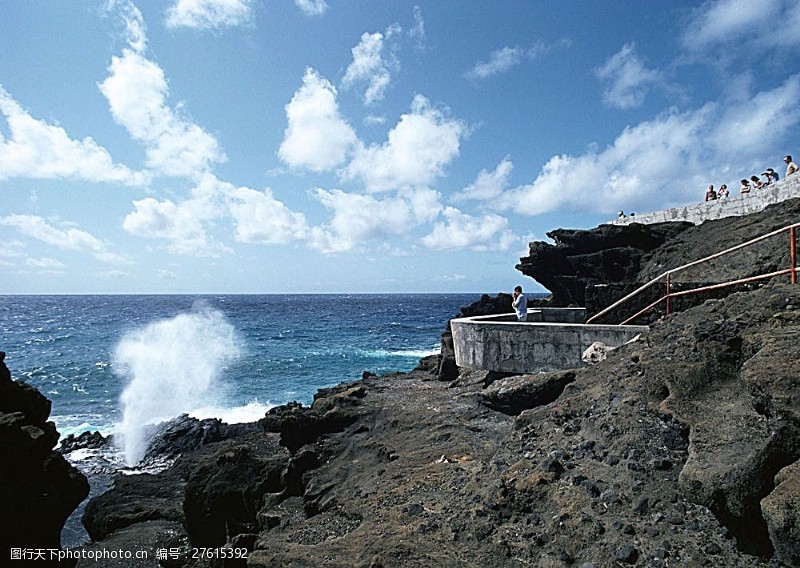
[[250, 412], [388, 353]]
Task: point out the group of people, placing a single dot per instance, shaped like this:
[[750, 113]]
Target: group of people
[[746, 185]]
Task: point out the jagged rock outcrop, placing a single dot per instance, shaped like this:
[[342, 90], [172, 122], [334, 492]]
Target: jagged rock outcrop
[[39, 489], [594, 268], [609, 255]]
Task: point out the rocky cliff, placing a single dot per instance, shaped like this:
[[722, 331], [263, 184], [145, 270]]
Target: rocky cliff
[[38, 487], [594, 268], [680, 449]]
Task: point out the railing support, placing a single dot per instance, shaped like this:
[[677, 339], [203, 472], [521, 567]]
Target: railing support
[[793, 248], [666, 275]]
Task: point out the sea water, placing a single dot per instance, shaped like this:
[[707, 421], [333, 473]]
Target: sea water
[[115, 364]]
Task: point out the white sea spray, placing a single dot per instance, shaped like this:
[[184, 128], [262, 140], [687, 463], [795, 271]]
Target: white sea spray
[[171, 366]]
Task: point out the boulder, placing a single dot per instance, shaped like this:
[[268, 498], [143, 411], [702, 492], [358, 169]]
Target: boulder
[[781, 510], [39, 489]]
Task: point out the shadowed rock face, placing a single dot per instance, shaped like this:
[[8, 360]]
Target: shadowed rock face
[[579, 259], [38, 488]]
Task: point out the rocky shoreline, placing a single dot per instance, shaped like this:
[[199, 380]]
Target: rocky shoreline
[[679, 449]]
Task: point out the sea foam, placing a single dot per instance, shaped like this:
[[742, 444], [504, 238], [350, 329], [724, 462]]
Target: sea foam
[[171, 366]]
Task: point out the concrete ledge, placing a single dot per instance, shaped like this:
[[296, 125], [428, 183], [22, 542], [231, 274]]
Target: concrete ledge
[[491, 343], [696, 213]]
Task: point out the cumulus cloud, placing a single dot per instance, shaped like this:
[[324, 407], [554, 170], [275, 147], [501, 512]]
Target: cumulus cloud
[[317, 137], [488, 185], [667, 160], [36, 149], [260, 218], [312, 7], [370, 67], [209, 14], [359, 218], [154, 219], [462, 231], [639, 165], [137, 90], [182, 223], [418, 148], [70, 239], [627, 77]]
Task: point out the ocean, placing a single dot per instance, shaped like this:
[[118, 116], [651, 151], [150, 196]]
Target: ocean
[[116, 364]]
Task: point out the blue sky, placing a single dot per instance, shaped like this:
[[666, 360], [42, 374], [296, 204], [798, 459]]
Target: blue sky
[[310, 146]]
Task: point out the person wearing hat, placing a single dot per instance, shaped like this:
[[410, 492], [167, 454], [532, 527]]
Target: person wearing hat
[[772, 175]]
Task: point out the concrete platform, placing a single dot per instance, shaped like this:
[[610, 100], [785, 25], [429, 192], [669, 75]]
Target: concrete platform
[[503, 344]]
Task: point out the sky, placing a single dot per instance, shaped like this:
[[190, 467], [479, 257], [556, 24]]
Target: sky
[[354, 146]]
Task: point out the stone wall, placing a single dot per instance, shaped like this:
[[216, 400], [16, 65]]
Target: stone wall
[[739, 205]]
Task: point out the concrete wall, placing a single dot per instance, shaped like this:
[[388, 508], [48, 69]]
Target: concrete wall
[[696, 213], [529, 347]]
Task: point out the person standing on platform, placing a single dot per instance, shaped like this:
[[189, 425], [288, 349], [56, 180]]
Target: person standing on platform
[[520, 304]]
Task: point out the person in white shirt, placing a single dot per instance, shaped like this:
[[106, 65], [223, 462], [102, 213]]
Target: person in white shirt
[[520, 304], [791, 167]]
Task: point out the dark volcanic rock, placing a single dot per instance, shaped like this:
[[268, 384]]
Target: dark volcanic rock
[[607, 255], [680, 450], [39, 489]]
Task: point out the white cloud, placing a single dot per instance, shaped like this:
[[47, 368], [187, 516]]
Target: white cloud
[[751, 124], [628, 78], [209, 14], [183, 224], [462, 231], [312, 7], [45, 263], [39, 150], [316, 137], [500, 61], [666, 161], [650, 163], [137, 90], [742, 22], [359, 218], [370, 67], [417, 32], [418, 148], [488, 185], [165, 219], [260, 218], [133, 21], [70, 239]]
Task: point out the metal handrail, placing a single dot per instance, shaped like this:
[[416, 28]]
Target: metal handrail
[[667, 276]]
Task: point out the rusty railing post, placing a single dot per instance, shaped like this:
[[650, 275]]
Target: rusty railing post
[[793, 252], [667, 295]]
